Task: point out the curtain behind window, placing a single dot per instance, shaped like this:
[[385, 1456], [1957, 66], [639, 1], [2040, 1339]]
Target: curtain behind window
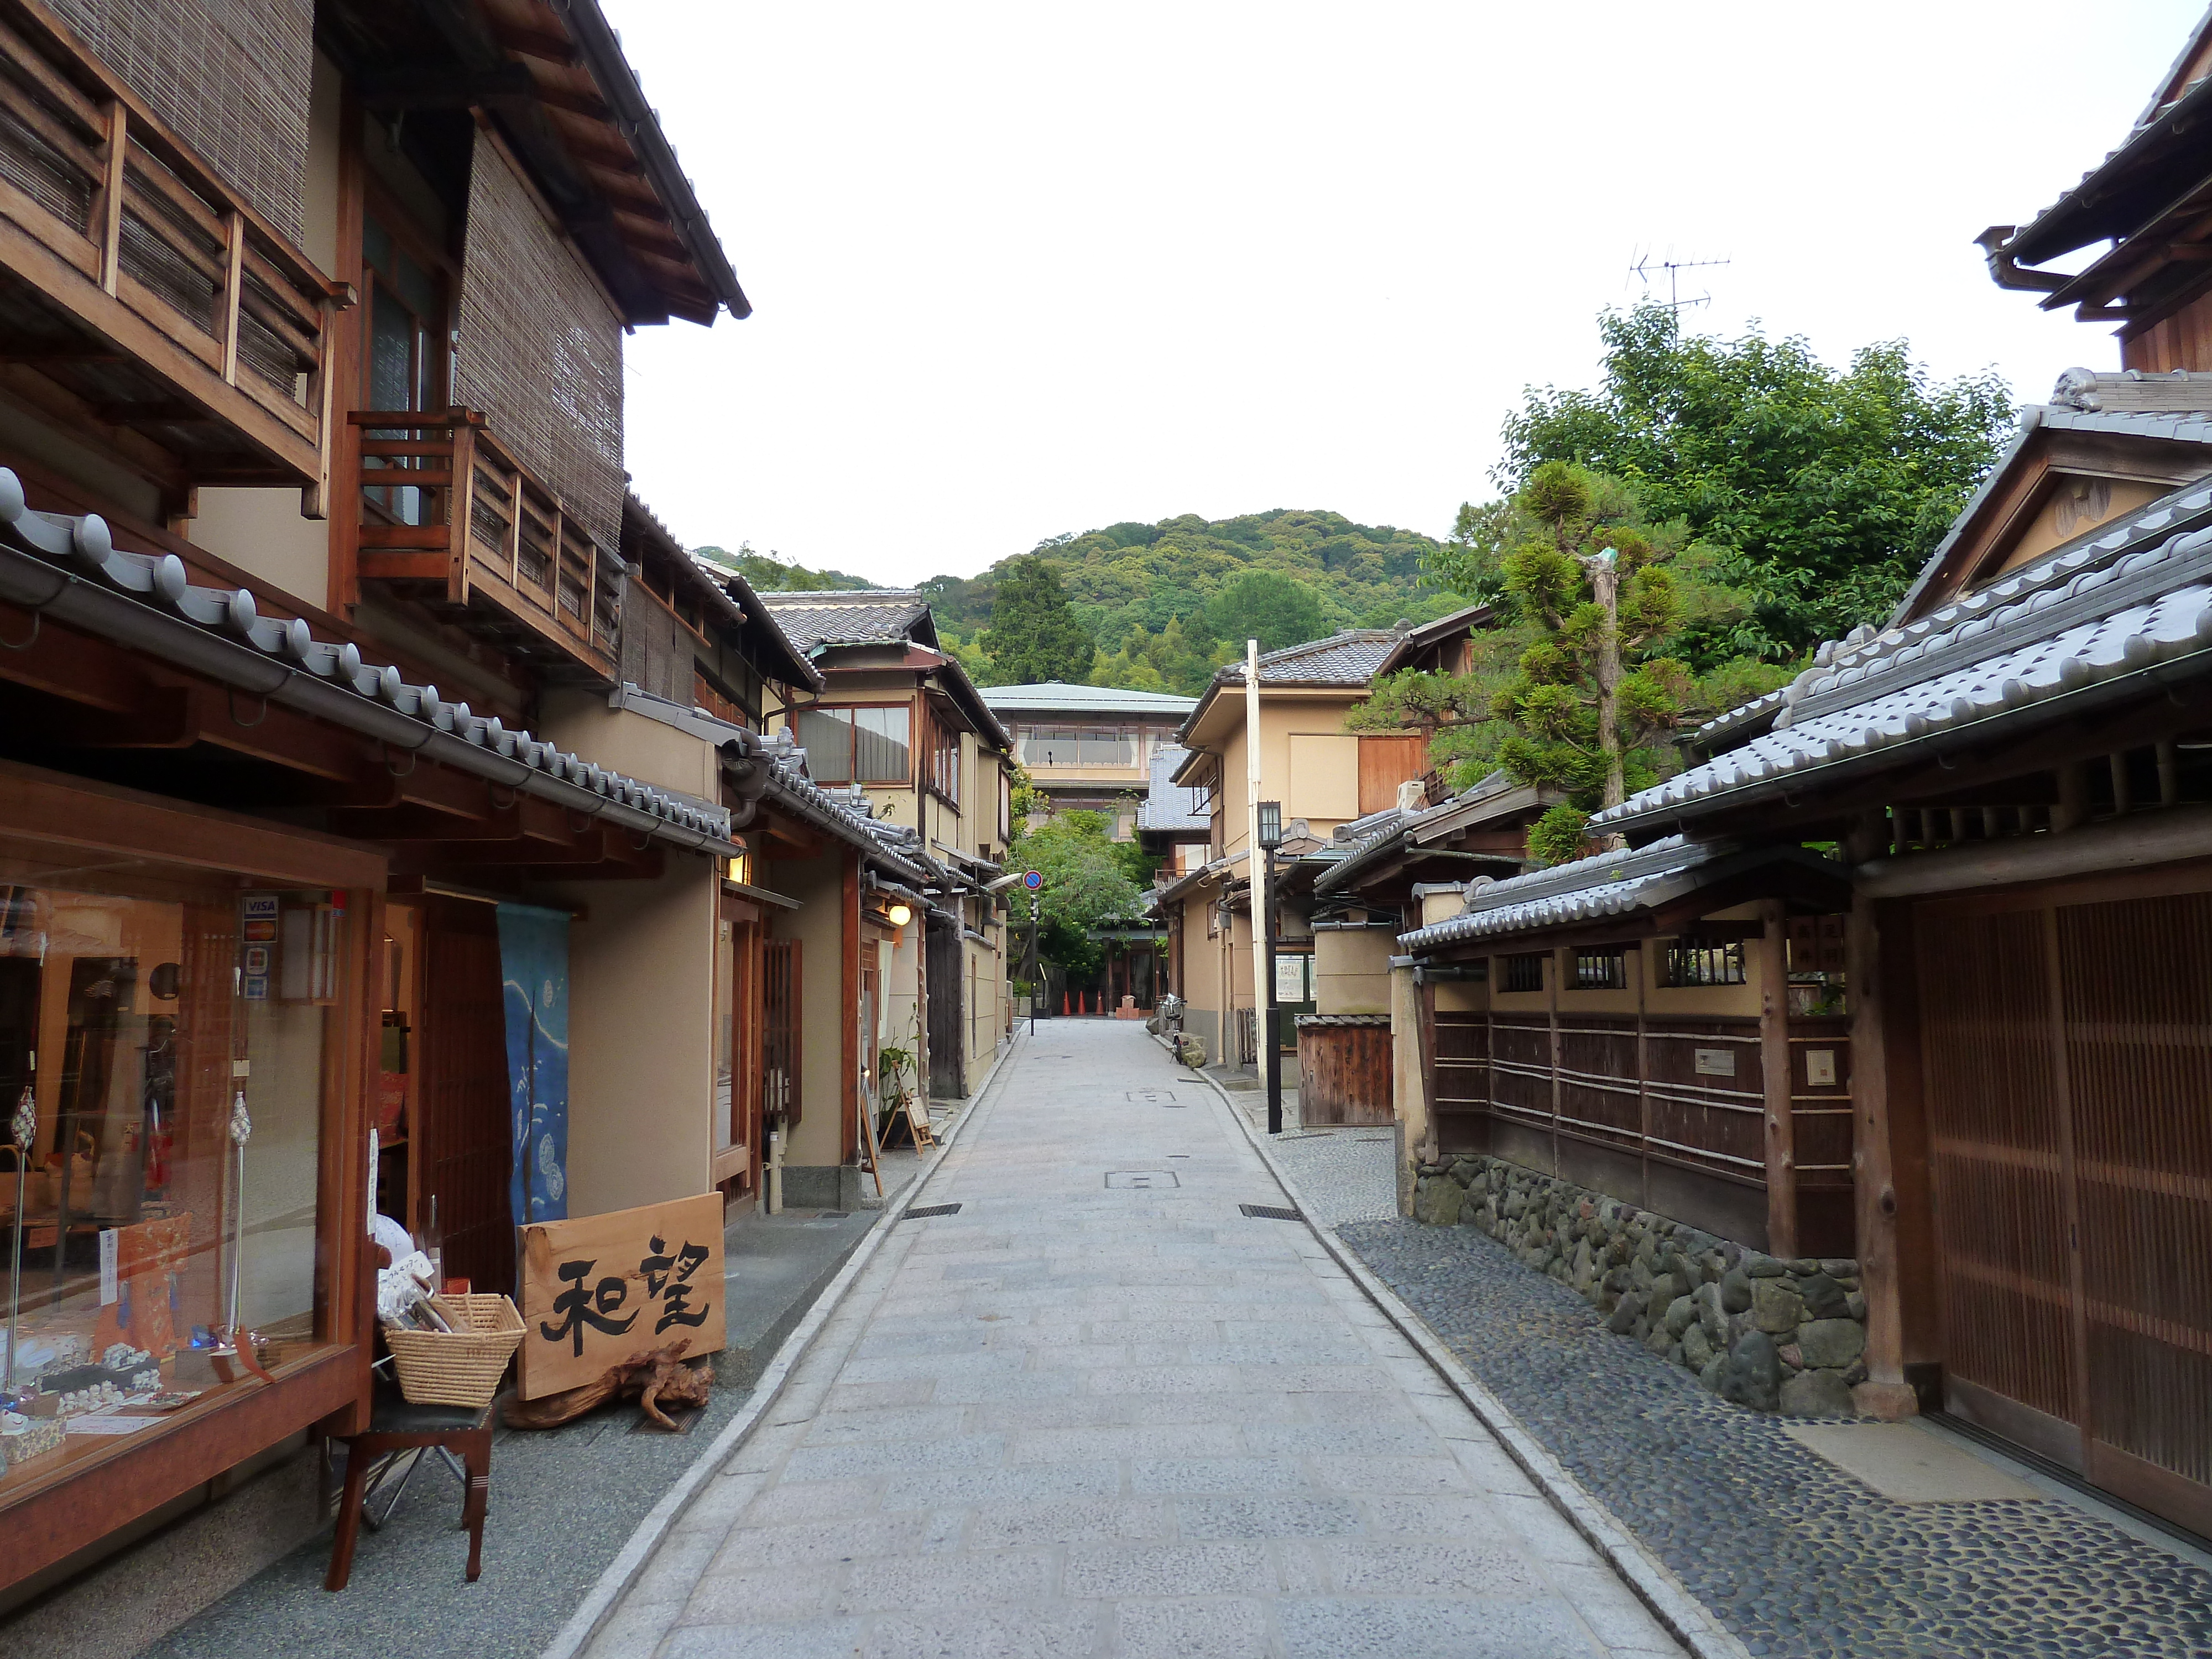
[[826, 735], [880, 744]]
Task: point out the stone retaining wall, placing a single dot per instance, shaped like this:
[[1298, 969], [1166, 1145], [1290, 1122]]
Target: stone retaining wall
[[1771, 1335]]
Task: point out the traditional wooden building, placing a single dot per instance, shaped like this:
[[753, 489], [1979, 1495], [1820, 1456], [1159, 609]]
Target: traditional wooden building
[[1089, 748], [1323, 776], [899, 725], [327, 830]]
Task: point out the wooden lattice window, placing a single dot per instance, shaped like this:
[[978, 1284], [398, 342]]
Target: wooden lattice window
[[1694, 961], [1522, 973], [1602, 970]]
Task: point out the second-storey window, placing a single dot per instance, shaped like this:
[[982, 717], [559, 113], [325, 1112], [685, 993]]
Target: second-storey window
[[944, 761], [858, 745]]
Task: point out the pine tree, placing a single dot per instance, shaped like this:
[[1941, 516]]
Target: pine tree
[[1034, 635]]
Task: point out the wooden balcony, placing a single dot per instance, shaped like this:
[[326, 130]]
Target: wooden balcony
[[474, 534], [143, 304]]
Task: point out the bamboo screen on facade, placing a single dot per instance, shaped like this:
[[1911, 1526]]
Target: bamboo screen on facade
[[230, 77], [540, 349]]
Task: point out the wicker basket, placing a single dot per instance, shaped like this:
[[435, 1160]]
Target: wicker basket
[[463, 1368]]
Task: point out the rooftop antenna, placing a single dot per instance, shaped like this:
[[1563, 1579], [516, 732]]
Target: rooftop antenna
[[1645, 266]]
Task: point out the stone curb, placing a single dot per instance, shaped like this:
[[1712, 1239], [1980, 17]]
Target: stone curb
[[1680, 1613], [622, 1571]]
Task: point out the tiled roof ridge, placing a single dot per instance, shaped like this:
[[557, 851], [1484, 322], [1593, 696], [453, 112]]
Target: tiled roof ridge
[[82, 547], [1606, 884], [790, 598], [2087, 614], [1666, 855]]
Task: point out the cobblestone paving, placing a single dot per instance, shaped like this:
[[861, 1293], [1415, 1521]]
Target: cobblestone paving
[[1344, 1174], [1796, 1558], [1100, 1411]]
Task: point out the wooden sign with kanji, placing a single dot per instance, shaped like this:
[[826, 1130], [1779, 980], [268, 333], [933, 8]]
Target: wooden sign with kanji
[[602, 1289]]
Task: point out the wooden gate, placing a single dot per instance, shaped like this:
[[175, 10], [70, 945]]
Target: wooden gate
[[1344, 1071], [779, 965], [468, 1146], [947, 981], [2069, 1083]]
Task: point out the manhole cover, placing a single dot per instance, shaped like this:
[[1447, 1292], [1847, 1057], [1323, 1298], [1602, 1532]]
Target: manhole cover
[[1153, 1096], [928, 1210], [1269, 1213], [1143, 1180]]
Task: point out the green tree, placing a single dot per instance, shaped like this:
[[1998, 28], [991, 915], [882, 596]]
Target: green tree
[[771, 573], [1581, 687], [1034, 636], [1827, 489], [1088, 882], [1268, 606]]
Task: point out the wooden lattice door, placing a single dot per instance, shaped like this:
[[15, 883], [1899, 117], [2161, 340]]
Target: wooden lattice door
[[2068, 1084], [780, 963]]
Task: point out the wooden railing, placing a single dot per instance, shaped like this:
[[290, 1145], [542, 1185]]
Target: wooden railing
[[114, 220], [447, 513]]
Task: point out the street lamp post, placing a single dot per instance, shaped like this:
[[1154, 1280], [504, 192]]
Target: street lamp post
[[1271, 837]]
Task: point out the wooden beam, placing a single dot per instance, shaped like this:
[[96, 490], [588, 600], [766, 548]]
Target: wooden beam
[[1777, 1074], [544, 45], [526, 819]]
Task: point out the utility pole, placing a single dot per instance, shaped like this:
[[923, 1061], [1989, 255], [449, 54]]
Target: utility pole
[[1263, 966]]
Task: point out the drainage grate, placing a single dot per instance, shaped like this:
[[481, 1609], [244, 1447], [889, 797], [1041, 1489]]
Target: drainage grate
[[1270, 1212], [928, 1210]]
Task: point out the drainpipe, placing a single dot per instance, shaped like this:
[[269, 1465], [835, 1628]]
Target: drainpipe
[[2006, 271], [775, 1173]]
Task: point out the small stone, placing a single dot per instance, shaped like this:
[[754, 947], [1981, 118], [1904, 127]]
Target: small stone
[[1436, 1203], [1762, 1266], [1710, 1314], [1776, 1306], [1855, 1307], [1804, 1268], [1754, 1377], [1792, 1356], [1616, 1280], [1857, 1373], [1463, 1174], [1665, 1287], [1816, 1394], [1839, 1267], [1697, 1349], [1659, 1342], [1735, 1291], [1832, 1343], [1715, 1370], [1824, 1297], [1681, 1314], [1626, 1314]]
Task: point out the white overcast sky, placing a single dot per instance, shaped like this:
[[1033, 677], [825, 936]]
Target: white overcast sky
[[1032, 268]]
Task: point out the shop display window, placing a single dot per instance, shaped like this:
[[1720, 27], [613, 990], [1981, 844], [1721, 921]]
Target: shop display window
[[168, 1038]]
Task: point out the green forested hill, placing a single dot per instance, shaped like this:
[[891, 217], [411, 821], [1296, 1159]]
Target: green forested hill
[[1154, 598], [769, 574], [1139, 576], [1153, 595]]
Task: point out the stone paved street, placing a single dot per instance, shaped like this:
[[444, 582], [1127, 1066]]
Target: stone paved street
[[1100, 1411], [1794, 1556]]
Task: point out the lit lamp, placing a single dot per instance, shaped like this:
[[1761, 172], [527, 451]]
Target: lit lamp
[[901, 915], [1263, 915]]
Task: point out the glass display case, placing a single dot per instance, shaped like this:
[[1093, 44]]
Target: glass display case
[[164, 1035]]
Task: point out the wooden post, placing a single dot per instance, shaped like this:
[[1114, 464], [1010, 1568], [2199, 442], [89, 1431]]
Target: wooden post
[[234, 291], [1557, 961], [1885, 1392], [1646, 953], [1775, 1074], [848, 1050], [460, 506], [114, 181]]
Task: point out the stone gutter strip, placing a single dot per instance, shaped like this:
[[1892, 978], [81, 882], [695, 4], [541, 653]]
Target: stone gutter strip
[[1676, 1609], [600, 1603]]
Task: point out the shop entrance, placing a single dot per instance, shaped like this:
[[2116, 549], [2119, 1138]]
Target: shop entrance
[[463, 1138], [2069, 1083]]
